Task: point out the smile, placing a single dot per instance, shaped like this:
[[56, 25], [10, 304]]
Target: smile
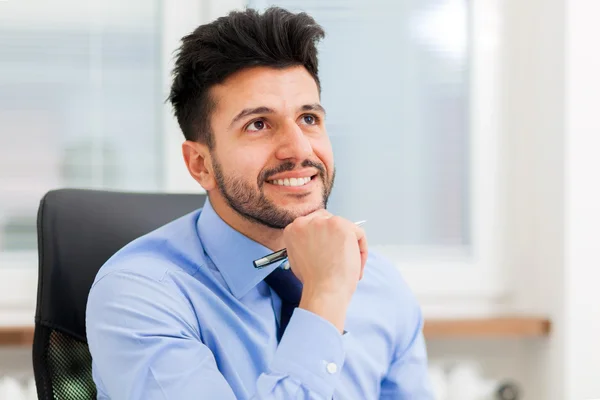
[[291, 181]]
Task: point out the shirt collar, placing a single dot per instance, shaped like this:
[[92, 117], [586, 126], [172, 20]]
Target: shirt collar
[[231, 252]]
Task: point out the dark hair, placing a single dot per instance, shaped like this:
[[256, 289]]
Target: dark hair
[[276, 38]]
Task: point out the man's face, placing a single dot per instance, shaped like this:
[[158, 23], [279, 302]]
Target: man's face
[[272, 159]]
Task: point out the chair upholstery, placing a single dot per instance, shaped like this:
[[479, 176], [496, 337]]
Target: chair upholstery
[[78, 231]]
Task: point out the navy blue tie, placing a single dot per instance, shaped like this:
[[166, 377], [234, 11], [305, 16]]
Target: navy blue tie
[[289, 290]]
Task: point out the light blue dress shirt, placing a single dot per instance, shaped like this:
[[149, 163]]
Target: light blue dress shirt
[[181, 313]]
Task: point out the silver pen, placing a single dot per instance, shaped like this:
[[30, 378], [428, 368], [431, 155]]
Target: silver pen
[[281, 255]]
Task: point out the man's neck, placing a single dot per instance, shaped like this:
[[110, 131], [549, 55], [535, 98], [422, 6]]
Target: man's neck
[[268, 237]]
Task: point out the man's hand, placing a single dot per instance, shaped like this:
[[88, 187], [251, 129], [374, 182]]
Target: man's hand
[[328, 254]]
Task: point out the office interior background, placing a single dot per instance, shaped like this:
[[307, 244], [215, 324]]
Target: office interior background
[[465, 131]]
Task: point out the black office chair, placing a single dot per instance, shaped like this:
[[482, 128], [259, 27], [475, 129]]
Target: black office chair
[[78, 230]]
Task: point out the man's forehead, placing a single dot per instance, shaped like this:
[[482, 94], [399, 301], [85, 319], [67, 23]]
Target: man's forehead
[[264, 86]]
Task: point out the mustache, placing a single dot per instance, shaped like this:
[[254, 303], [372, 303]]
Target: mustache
[[289, 166]]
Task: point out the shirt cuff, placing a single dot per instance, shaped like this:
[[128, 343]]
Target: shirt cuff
[[312, 351]]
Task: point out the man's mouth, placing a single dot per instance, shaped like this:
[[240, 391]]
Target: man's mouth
[[291, 181]]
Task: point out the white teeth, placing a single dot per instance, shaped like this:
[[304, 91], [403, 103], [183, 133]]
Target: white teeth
[[291, 181]]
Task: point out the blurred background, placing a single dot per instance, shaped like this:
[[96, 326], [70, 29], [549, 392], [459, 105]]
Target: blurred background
[[463, 131]]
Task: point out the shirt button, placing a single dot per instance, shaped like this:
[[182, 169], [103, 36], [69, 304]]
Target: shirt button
[[332, 368]]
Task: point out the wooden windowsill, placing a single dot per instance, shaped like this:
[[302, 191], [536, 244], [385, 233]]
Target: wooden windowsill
[[16, 335], [501, 327], [505, 327]]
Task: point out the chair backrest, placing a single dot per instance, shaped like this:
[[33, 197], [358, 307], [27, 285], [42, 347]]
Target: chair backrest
[[78, 231]]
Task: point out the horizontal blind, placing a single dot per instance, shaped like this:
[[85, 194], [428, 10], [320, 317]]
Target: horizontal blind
[[80, 103]]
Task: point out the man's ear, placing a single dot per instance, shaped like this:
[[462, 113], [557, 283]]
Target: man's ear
[[199, 163]]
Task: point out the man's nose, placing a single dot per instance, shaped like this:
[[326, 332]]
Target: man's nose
[[293, 143]]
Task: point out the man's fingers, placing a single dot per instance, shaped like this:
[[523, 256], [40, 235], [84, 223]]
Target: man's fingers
[[363, 247], [361, 236]]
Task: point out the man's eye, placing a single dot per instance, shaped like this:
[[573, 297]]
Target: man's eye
[[256, 126], [310, 119]]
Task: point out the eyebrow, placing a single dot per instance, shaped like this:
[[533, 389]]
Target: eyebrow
[[313, 107], [266, 110], [251, 111]]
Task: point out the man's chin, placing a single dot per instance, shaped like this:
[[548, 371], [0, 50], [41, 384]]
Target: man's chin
[[280, 217]]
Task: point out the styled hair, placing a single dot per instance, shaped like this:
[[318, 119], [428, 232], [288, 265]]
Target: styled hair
[[276, 38]]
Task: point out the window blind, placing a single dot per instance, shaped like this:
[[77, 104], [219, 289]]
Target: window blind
[[80, 103]]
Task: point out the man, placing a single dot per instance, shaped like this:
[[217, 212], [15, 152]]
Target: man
[[182, 313]]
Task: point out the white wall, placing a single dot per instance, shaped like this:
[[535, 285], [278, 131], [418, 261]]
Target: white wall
[[582, 200], [534, 127], [552, 98]]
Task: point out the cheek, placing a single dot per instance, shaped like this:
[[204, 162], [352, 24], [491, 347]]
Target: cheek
[[247, 163], [324, 152]]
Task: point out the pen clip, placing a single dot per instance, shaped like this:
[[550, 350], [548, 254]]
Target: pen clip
[[270, 259]]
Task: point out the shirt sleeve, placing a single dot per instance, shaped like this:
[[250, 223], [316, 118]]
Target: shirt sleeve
[[408, 375], [145, 344], [311, 354]]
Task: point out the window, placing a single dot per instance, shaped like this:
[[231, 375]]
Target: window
[[79, 104], [82, 104], [410, 98]]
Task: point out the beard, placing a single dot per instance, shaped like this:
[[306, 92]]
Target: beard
[[250, 202]]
